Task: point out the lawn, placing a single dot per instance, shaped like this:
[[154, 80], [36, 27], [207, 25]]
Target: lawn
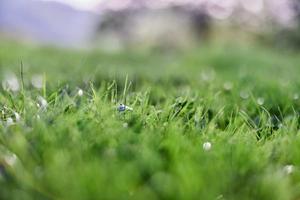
[[216, 122]]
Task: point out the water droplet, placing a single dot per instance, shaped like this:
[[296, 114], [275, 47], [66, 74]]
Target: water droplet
[[9, 121], [80, 92], [17, 116], [10, 82], [42, 103], [227, 86], [37, 81], [288, 169], [296, 97], [260, 101], [206, 146], [244, 95], [125, 125], [10, 159]]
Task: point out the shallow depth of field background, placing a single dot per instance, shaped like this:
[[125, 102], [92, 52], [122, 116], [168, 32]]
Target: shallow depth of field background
[[150, 99], [115, 25]]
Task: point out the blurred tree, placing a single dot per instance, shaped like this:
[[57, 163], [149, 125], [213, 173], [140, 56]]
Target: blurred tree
[[290, 36], [293, 35], [171, 27]]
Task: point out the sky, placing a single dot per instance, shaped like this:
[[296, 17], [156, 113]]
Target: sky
[[254, 5], [81, 4]]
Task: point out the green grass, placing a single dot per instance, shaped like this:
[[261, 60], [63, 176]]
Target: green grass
[[81, 147]]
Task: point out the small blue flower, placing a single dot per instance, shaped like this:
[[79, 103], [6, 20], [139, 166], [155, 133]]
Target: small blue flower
[[122, 108]]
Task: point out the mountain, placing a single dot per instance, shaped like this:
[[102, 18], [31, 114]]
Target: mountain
[[46, 22]]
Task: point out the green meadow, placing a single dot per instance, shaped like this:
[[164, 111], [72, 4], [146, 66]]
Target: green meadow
[[215, 122]]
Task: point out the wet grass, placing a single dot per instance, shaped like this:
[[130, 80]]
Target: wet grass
[[243, 101]]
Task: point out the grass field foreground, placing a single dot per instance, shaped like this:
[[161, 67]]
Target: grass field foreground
[[218, 122]]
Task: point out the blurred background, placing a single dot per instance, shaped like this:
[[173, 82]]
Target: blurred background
[[114, 25]]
